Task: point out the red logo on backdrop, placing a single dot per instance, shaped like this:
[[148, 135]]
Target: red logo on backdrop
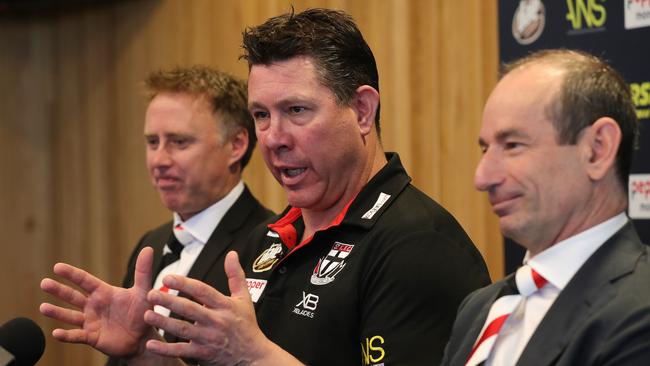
[[638, 2], [641, 187]]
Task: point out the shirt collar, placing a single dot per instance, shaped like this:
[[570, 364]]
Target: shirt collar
[[378, 194], [561, 261], [203, 223], [363, 210]]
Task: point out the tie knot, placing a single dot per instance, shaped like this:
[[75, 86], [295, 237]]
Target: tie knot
[[528, 280], [184, 237]]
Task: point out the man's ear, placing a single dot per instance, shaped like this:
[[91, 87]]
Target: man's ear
[[365, 102], [239, 145], [601, 140]]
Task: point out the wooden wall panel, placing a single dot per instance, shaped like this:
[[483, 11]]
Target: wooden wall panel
[[74, 186]]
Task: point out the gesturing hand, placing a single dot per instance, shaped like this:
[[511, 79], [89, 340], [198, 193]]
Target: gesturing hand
[[222, 330], [107, 318]]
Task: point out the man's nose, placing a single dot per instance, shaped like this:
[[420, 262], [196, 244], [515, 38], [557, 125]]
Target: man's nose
[[160, 157], [489, 172], [277, 136]]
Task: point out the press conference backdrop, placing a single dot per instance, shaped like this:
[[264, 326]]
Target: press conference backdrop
[[618, 31]]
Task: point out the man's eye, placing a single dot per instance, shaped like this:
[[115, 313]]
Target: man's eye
[[296, 109], [511, 145], [152, 142], [260, 115], [180, 141]]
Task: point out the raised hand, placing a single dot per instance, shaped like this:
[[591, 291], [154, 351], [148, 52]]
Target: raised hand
[[222, 330], [107, 318]]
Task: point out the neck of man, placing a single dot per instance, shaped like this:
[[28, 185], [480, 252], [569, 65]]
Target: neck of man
[[220, 191], [318, 218], [605, 202]]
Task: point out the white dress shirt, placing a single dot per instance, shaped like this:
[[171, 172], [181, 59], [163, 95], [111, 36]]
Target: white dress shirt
[[557, 264], [201, 227]]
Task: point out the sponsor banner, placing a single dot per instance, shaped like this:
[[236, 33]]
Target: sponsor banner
[[637, 13], [639, 193]]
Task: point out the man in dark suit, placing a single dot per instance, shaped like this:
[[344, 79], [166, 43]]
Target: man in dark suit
[[557, 139], [199, 136]]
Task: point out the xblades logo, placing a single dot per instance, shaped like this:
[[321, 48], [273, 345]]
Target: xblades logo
[[307, 305]]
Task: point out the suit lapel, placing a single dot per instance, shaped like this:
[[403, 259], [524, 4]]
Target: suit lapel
[[218, 243], [474, 325], [222, 236], [592, 287], [158, 242]]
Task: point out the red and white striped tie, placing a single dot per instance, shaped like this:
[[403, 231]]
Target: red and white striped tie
[[528, 281]]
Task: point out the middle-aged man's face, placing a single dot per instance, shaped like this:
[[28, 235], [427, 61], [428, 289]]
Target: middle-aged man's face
[[536, 187], [187, 158], [311, 144]]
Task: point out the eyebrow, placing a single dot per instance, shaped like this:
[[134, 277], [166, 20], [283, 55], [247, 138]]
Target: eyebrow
[[168, 135], [287, 101], [255, 105], [503, 135]]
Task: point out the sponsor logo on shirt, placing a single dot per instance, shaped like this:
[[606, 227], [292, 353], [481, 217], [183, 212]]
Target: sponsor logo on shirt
[[267, 259], [307, 305], [272, 234], [372, 351], [383, 197], [331, 264], [255, 288]]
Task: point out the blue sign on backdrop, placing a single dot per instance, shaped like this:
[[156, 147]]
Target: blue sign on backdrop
[[616, 30]]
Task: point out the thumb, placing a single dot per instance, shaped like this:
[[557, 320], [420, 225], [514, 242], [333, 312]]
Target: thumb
[[142, 276], [236, 277]]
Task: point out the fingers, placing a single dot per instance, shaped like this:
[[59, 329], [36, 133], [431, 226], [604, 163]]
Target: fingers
[[63, 292], [179, 305], [177, 327], [71, 335], [79, 277], [143, 269], [178, 349], [69, 316], [236, 276], [199, 291]]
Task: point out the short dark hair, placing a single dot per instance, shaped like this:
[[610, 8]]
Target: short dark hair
[[590, 89], [226, 94], [331, 38]]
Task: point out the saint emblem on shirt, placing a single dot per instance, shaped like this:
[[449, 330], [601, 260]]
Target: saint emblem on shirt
[[267, 259], [330, 265]]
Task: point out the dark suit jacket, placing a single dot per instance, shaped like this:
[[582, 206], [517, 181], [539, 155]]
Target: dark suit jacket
[[602, 317], [231, 234]]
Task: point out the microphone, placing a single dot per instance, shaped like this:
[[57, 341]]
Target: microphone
[[21, 342]]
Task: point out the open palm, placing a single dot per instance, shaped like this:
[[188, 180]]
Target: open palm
[[108, 318]]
